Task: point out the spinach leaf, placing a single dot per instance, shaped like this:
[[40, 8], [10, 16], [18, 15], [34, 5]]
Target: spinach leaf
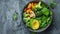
[[14, 16], [45, 11], [52, 4], [50, 13], [43, 21], [48, 19], [38, 13]]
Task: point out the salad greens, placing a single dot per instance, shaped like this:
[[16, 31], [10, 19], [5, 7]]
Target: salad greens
[[45, 11], [42, 15], [14, 16], [52, 4]]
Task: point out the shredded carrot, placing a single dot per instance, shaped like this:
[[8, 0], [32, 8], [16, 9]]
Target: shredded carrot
[[29, 5], [32, 5], [28, 11]]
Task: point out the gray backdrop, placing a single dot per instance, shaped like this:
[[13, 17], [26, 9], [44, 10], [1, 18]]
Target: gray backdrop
[[8, 26]]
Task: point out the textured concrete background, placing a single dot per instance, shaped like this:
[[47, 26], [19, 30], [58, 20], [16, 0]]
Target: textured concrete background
[[8, 26]]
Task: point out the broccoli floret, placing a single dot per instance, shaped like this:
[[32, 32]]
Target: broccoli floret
[[25, 15], [38, 5]]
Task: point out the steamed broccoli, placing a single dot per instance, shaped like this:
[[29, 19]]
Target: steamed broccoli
[[38, 5]]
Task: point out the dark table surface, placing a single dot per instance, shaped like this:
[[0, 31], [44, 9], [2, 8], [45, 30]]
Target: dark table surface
[[8, 26]]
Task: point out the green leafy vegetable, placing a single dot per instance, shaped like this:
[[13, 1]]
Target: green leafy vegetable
[[50, 13], [25, 15], [31, 22], [43, 23], [37, 9], [48, 19], [38, 13], [14, 16], [26, 20], [28, 24], [45, 11], [44, 5], [52, 4], [42, 16], [39, 19]]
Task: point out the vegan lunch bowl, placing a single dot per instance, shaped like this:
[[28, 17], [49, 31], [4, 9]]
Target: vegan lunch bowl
[[37, 16]]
